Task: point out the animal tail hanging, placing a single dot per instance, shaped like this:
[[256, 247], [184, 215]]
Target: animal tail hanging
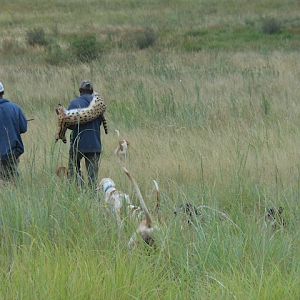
[[117, 132], [140, 197], [104, 122], [157, 206]]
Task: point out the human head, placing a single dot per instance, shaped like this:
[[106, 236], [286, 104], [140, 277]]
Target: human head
[[1, 89], [86, 87]]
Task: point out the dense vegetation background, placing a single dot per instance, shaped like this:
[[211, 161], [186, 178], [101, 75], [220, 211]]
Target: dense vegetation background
[[207, 93]]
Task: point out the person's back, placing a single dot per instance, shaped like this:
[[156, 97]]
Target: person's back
[[12, 124], [85, 137], [85, 140]]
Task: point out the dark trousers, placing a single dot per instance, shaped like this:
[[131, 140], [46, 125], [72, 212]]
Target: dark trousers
[[91, 163], [9, 168]]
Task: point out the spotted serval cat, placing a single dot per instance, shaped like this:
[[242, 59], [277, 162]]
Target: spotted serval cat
[[73, 117]]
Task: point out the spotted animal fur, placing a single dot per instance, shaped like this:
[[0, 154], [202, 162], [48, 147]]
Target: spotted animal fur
[[67, 118]]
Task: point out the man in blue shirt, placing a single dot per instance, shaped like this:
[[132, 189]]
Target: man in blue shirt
[[85, 140], [12, 124]]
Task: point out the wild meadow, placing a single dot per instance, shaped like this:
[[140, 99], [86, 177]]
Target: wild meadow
[[207, 93]]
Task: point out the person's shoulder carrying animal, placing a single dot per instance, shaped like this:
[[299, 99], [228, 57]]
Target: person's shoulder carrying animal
[[72, 117]]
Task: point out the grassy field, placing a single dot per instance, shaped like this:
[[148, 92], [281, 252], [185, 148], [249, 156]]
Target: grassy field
[[210, 107]]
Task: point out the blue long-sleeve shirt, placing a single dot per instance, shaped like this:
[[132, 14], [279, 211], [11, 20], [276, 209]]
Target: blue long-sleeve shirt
[[85, 137], [12, 124]]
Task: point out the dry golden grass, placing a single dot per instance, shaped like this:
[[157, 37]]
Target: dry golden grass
[[219, 128], [247, 105]]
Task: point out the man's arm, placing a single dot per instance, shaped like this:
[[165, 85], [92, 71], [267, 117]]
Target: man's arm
[[22, 122]]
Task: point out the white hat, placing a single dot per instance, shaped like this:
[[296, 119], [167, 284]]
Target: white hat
[[1, 87]]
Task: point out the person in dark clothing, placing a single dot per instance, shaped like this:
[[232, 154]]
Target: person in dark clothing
[[12, 124], [85, 139]]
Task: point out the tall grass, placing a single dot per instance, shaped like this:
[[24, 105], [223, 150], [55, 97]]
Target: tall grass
[[218, 128], [213, 129]]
